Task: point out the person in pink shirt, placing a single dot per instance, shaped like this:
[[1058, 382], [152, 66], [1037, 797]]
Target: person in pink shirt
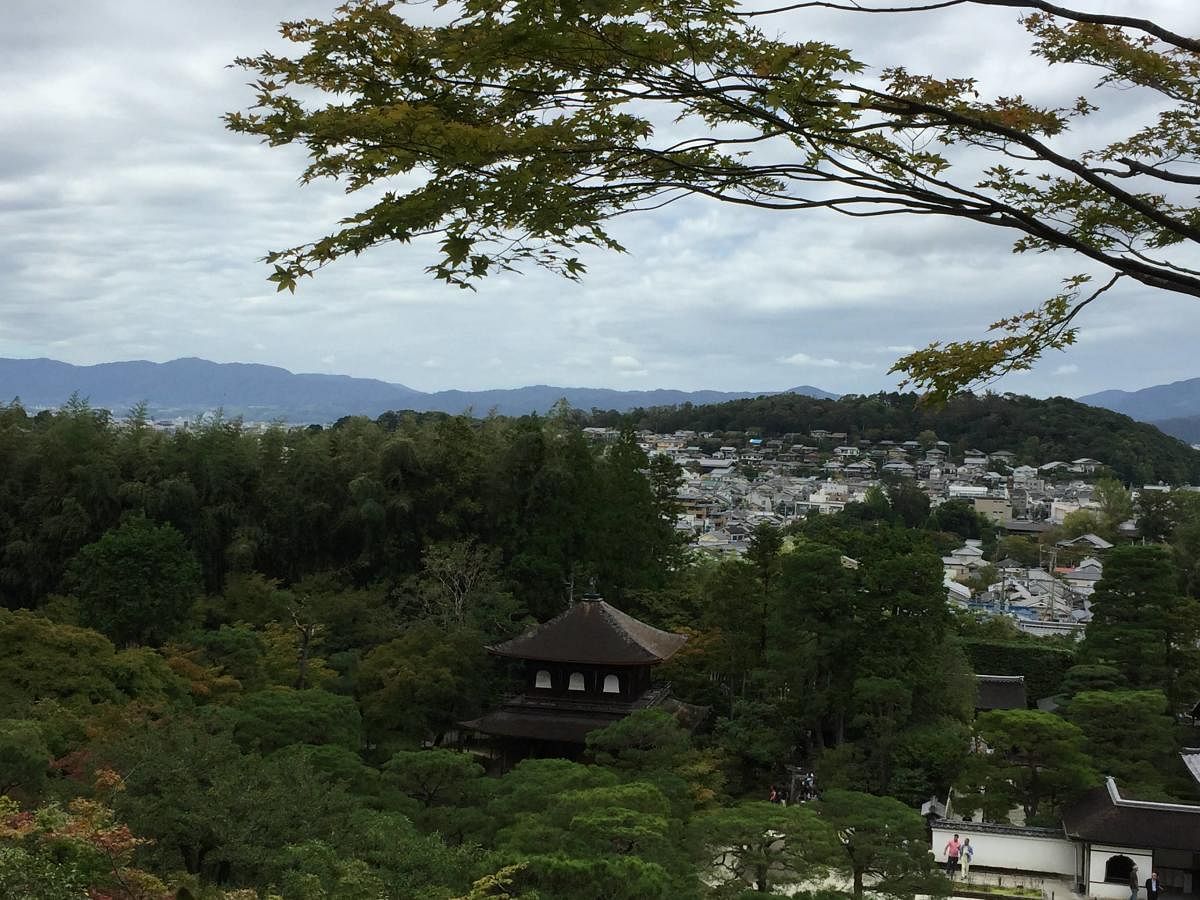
[[953, 849]]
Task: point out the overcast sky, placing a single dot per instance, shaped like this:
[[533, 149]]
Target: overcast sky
[[133, 224]]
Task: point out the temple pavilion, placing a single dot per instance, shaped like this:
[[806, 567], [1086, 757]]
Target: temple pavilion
[[583, 670]]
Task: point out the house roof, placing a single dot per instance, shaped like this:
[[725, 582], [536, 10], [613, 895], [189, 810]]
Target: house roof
[[1103, 815], [1024, 526], [1000, 692], [1093, 539], [593, 631]]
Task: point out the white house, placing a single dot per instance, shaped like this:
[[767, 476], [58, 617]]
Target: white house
[[959, 491], [975, 459]]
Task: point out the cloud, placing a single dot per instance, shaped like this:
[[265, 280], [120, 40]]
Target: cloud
[[1066, 369], [136, 226], [803, 359]]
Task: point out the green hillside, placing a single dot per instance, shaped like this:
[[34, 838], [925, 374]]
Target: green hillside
[[1037, 430]]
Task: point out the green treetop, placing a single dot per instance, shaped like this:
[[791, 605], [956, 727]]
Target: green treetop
[[137, 583], [1037, 762], [1143, 626]]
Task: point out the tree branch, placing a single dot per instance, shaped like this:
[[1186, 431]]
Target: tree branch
[[1144, 25]]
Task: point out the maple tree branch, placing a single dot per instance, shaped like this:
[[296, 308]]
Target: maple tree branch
[[1078, 307], [1140, 168], [1075, 15]]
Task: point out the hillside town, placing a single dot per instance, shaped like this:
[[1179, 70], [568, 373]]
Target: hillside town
[[727, 491]]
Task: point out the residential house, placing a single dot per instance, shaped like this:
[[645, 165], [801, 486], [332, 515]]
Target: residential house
[[1063, 507], [961, 491], [997, 509], [1083, 577], [1090, 541], [1025, 526], [964, 561], [864, 468], [956, 594], [975, 459]]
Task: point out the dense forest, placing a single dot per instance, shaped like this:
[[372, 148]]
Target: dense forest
[[1037, 430], [232, 664]]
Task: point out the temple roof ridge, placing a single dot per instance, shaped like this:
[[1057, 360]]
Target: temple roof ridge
[[596, 632]]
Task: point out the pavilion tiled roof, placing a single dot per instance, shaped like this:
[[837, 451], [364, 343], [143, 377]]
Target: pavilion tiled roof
[[592, 631]]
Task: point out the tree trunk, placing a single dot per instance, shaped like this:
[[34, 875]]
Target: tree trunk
[[302, 658], [191, 864], [858, 884]]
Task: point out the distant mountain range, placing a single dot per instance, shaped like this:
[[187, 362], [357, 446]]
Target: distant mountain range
[[189, 387], [1174, 408]]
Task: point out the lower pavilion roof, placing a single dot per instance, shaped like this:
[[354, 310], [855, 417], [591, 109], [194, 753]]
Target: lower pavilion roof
[[540, 725], [571, 721]]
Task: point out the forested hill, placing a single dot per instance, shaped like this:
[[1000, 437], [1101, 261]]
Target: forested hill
[[1037, 430], [186, 388]]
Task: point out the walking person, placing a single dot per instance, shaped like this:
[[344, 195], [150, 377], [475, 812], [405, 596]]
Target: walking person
[[965, 852], [1153, 886], [1133, 883], [953, 851]]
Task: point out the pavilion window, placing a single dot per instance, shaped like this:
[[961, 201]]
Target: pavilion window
[[542, 680], [612, 684], [576, 682]]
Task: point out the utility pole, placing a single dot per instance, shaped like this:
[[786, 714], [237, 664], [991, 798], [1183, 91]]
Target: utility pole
[[1053, 582]]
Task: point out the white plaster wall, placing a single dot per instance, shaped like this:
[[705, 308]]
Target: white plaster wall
[[1028, 853], [1100, 854]]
